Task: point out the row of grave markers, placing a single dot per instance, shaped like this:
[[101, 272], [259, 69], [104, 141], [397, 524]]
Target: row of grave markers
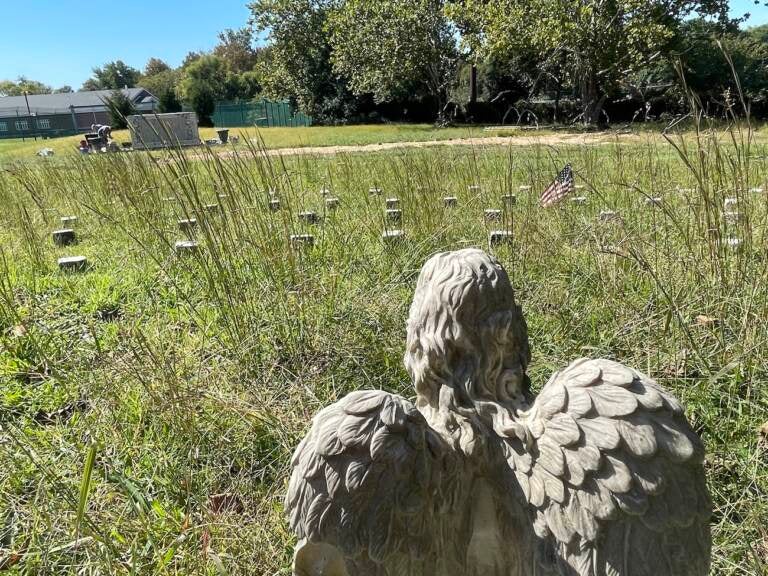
[[66, 235]]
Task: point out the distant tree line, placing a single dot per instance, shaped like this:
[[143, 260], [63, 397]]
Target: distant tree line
[[485, 61]]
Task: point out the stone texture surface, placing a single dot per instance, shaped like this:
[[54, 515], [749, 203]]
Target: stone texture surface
[[599, 475]]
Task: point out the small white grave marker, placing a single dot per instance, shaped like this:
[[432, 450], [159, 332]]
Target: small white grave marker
[[497, 237], [394, 216], [73, 263], [509, 199], [450, 201], [332, 203], [392, 203], [579, 200], [302, 240], [274, 205], [524, 188], [64, 237], [374, 191], [733, 217], [68, 221], [185, 247], [309, 217], [188, 225], [473, 188], [324, 191], [608, 216], [393, 236], [731, 203], [653, 202]]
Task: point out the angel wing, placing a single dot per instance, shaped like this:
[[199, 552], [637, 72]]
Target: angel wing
[[613, 475], [370, 490]]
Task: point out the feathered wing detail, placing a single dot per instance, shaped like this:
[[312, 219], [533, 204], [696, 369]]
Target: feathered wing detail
[[613, 474], [369, 481]]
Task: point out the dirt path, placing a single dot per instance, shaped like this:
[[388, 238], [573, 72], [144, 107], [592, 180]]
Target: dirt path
[[594, 138]]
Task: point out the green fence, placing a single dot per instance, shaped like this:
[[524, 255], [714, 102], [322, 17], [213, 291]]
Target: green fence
[[262, 113]]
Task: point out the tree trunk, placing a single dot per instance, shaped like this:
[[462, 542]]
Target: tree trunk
[[473, 84], [592, 100]]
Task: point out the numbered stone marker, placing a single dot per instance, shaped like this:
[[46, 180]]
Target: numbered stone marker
[[185, 247], [450, 201], [274, 205], [394, 216], [392, 203], [374, 191], [64, 237], [73, 263], [332, 203], [509, 199], [309, 217], [608, 216], [498, 237], [302, 240], [188, 225], [393, 236]]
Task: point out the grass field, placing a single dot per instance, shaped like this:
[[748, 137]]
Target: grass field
[[150, 405], [274, 137]]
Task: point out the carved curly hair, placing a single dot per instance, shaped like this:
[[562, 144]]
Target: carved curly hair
[[465, 334]]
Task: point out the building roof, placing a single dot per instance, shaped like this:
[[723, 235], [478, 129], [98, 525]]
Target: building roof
[[62, 103]]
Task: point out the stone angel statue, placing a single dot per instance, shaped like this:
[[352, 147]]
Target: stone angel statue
[[598, 475]]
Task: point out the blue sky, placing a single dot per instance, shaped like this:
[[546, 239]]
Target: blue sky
[[47, 40]]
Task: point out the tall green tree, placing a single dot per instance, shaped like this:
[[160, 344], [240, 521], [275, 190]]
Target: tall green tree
[[155, 66], [236, 48], [598, 41], [203, 84], [120, 107], [299, 65], [389, 47], [113, 76]]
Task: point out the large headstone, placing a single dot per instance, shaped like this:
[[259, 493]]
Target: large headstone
[[152, 131]]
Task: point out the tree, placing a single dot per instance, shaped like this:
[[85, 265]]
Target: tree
[[66, 89], [120, 107], [21, 85], [168, 101], [299, 63], [388, 47], [162, 82], [235, 47], [155, 66], [113, 76], [203, 85], [598, 41]]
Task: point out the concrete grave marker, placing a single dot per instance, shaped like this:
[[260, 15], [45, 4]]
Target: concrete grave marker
[[73, 263], [393, 236], [498, 237], [450, 201], [302, 240], [309, 217], [64, 237], [392, 203], [185, 247], [394, 216]]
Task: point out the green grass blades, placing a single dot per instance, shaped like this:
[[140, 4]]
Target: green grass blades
[[196, 370]]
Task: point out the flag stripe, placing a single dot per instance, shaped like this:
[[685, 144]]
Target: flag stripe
[[559, 189]]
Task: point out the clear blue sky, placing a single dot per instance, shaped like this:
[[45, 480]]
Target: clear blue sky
[[48, 40]]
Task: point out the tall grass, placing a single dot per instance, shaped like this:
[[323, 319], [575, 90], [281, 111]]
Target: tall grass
[[196, 375]]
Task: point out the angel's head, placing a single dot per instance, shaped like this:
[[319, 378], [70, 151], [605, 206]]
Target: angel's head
[[467, 339]]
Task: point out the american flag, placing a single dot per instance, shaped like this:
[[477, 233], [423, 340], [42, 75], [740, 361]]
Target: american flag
[[559, 189]]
